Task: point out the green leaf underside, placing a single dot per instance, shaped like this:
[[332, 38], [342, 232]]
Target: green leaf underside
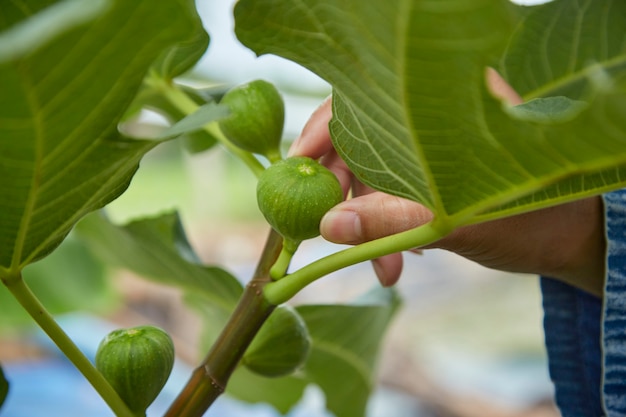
[[152, 99], [61, 155], [157, 249], [345, 341], [412, 116], [283, 393], [205, 114], [561, 44], [181, 57]]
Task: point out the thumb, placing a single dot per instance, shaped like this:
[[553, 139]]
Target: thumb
[[371, 216]]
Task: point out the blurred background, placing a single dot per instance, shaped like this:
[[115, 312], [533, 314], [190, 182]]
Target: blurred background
[[467, 341]]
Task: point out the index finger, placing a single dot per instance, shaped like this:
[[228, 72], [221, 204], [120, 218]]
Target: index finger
[[314, 141]]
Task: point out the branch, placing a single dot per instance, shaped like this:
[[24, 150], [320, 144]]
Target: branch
[[208, 381]]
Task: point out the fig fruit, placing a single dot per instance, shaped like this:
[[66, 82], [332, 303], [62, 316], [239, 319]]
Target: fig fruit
[[294, 194], [256, 120], [281, 346], [137, 362]]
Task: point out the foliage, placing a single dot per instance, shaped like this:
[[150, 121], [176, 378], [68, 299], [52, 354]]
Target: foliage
[[412, 117]]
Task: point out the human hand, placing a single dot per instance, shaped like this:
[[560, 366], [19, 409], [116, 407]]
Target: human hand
[[565, 242]]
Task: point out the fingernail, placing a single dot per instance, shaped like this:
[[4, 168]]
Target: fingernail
[[342, 226]]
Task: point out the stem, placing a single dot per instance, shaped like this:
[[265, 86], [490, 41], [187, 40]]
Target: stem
[[274, 157], [44, 319], [281, 291], [208, 381], [279, 269], [186, 105]]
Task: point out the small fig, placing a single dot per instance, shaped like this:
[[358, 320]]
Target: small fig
[[256, 120], [281, 346], [294, 194], [137, 362]]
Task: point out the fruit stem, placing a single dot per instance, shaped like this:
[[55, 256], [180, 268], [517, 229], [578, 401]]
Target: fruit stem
[[185, 104], [208, 381], [274, 156], [29, 301], [281, 291], [279, 269]]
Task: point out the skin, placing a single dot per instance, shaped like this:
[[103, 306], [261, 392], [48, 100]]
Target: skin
[[565, 242]]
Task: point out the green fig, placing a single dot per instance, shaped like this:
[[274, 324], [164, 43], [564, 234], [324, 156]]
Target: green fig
[[294, 194], [281, 346], [137, 362], [256, 120]]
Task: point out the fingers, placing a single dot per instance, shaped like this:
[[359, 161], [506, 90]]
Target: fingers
[[564, 242], [371, 216], [314, 141], [388, 269], [500, 88], [337, 166]]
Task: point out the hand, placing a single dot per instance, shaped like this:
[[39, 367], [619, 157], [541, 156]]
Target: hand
[[565, 242]]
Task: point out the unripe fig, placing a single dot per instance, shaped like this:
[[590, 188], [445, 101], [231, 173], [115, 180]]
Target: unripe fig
[[257, 116], [137, 362], [294, 194], [281, 346]]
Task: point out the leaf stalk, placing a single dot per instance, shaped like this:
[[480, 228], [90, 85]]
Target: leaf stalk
[[29, 301], [284, 289], [186, 105]]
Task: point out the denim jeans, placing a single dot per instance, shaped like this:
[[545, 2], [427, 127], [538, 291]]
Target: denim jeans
[[586, 336]]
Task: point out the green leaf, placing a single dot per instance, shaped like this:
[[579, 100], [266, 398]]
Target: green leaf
[[205, 114], [346, 341], [214, 316], [69, 279], [412, 115], [61, 155], [549, 110], [182, 57], [4, 387], [54, 19], [157, 249], [282, 393], [152, 99], [561, 44]]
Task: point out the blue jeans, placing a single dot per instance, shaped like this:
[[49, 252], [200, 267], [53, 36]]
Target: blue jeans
[[586, 336]]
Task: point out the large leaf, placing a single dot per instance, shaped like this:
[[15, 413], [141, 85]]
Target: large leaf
[[346, 341], [181, 57], [412, 116], [560, 42], [157, 249], [64, 90], [69, 279]]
